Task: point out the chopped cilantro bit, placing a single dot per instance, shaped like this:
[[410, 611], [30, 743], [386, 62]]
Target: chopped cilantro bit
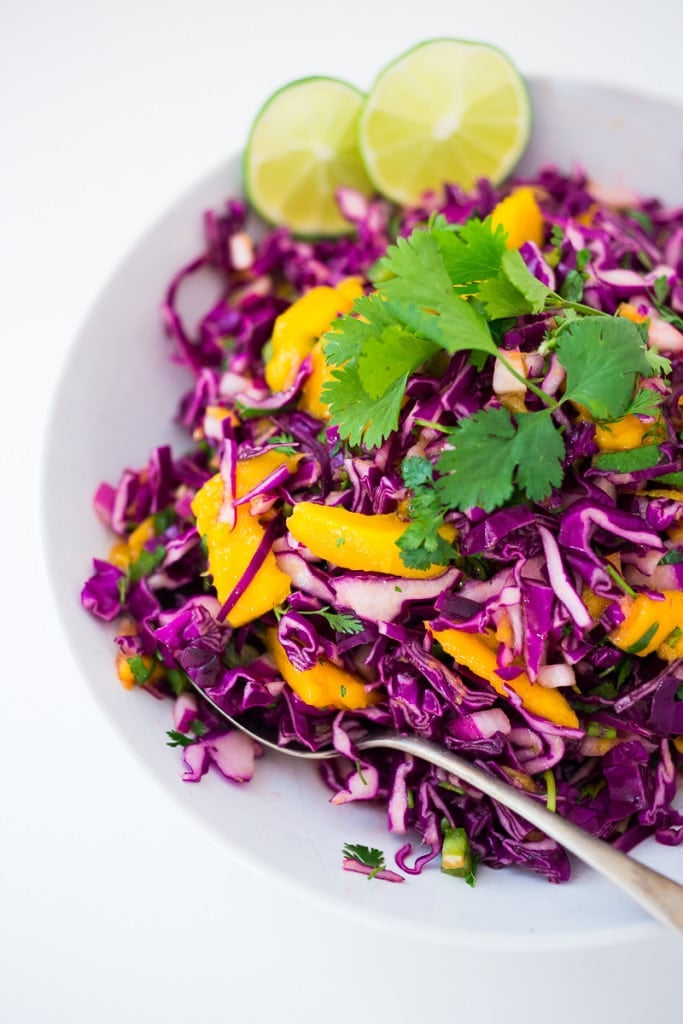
[[672, 557], [178, 739], [140, 670], [177, 680], [368, 856], [644, 640], [628, 461], [146, 563], [163, 519], [359, 772], [679, 692], [622, 584], [572, 286], [641, 218], [661, 288]]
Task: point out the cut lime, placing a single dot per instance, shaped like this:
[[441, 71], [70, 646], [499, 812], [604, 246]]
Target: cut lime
[[447, 111], [302, 147]]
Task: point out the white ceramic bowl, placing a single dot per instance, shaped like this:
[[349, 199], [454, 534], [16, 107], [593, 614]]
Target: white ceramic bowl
[[115, 401]]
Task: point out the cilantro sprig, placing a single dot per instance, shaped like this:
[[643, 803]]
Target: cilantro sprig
[[452, 288]]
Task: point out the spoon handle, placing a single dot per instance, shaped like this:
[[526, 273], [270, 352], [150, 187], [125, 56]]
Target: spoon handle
[[661, 896]]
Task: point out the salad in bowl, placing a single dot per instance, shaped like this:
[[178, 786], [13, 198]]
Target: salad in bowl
[[432, 480]]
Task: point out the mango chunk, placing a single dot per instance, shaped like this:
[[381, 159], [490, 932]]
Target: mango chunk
[[356, 541], [521, 217], [311, 400], [231, 549], [478, 653], [324, 686], [298, 329], [652, 625], [625, 434]]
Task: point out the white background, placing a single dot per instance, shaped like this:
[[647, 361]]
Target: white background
[[113, 905]]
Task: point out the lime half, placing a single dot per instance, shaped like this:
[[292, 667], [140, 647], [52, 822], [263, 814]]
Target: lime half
[[445, 111], [302, 147]]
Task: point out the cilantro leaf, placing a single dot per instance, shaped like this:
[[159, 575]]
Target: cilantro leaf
[[391, 357], [492, 454], [453, 324], [603, 357], [422, 545], [659, 364], [359, 417], [514, 291], [672, 557], [415, 268], [472, 254], [539, 452], [628, 461], [348, 335], [417, 470], [341, 622], [518, 274], [420, 295], [368, 856], [484, 439]]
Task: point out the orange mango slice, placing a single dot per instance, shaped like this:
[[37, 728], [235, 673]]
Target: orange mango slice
[[520, 215], [230, 550], [652, 625], [478, 653], [298, 329], [324, 686], [356, 541]]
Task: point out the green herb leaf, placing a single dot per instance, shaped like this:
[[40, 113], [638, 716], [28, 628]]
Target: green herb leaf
[[397, 356], [472, 254], [644, 640], [368, 856], [603, 357], [672, 557], [514, 292], [416, 471], [359, 417], [628, 461], [341, 622], [146, 563], [179, 739], [492, 454], [140, 671], [422, 546]]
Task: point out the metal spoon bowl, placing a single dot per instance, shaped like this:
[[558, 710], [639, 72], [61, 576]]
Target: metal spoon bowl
[[659, 895]]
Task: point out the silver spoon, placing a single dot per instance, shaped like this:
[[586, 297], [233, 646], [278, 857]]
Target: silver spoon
[[659, 895]]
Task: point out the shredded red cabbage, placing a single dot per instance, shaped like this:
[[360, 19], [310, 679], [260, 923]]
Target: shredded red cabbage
[[616, 775]]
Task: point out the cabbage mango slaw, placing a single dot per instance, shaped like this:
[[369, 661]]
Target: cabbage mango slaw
[[265, 562]]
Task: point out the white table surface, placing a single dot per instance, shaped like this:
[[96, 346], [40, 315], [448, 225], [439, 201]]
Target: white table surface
[[113, 905]]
